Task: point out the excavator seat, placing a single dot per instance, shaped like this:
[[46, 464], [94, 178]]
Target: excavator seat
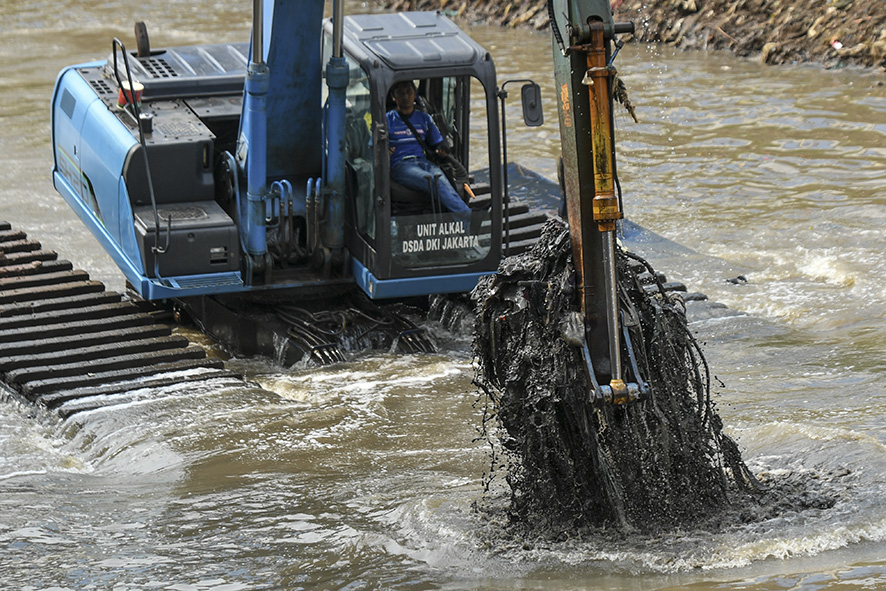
[[406, 201]]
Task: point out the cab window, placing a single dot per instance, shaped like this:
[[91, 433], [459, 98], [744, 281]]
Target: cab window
[[423, 232]]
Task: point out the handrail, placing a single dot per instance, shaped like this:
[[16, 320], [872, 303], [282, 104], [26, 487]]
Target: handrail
[[141, 137]]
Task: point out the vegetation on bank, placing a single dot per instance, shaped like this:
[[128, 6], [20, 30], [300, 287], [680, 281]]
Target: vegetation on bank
[[833, 33]]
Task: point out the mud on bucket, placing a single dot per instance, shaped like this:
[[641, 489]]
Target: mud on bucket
[[125, 95]]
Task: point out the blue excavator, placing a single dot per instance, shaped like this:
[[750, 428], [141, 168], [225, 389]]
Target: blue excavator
[[249, 183]]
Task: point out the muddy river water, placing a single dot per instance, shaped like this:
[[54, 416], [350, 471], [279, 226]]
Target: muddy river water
[[363, 475]]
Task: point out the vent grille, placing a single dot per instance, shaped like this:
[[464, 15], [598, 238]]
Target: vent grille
[[183, 213], [158, 67], [101, 86], [195, 282], [178, 129]]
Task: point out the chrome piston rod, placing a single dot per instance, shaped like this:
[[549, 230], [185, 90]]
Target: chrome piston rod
[[612, 305]]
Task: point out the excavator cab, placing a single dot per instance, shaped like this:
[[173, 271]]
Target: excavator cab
[[402, 241]]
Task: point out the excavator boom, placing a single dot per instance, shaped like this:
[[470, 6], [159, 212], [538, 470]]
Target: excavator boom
[[583, 32]]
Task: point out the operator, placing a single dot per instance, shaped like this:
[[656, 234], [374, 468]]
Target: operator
[[409, 163]]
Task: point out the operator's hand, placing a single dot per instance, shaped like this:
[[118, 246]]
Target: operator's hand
[[392, 151]]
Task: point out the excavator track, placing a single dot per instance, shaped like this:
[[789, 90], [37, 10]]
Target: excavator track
[[70, 345], [320, 329], [521, 229]]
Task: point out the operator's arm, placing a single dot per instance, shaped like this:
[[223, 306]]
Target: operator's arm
[[433, 137]]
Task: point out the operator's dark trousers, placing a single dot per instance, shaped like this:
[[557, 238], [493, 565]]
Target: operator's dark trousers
[[414, 172]]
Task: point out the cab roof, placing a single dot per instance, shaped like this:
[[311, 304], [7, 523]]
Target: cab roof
[[409, 40]]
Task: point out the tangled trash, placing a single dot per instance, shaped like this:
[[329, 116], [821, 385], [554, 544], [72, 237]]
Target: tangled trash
[[649, 464]]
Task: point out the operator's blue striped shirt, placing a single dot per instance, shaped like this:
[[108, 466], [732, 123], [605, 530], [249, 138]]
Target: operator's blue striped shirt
[[402, 139]]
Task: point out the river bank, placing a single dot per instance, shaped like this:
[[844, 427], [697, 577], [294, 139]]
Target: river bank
[[832, 33]]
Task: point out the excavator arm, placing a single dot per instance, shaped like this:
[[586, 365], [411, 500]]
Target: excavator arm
[[584, 32]]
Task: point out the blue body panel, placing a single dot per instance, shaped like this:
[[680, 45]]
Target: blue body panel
[[90, 147], [292, 51], [382, 289], [149, 288], [86, 136]]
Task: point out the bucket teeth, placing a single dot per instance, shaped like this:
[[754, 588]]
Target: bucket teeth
[[414, 341], [325, 335], [327, 354]]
